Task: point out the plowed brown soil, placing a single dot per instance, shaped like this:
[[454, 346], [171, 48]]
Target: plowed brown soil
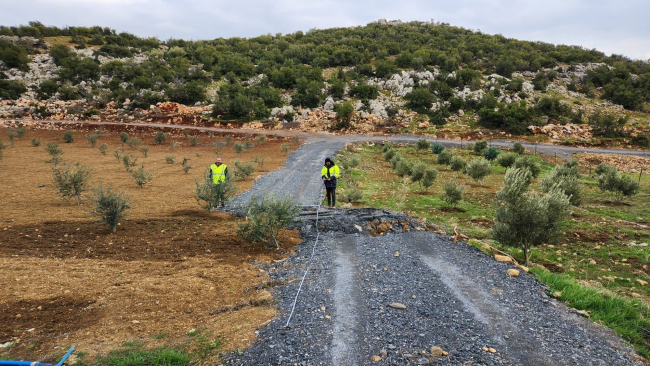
[[170, 268]]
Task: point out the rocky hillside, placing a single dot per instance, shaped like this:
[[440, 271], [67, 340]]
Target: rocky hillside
[[388, 76]]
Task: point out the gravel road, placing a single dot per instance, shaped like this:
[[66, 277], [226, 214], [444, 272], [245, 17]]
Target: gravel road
[[299, 178], [456, 298]]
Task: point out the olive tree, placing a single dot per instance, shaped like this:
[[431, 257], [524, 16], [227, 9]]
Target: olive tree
[[108, 205], [525, 219]]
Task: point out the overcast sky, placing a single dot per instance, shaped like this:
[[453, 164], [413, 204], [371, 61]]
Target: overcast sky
[[620, 27]]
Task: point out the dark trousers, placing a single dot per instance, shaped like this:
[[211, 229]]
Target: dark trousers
[[331, 196]]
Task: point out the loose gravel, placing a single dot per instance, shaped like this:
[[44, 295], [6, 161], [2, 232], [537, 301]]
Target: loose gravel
[[298, 179], [456, 298]]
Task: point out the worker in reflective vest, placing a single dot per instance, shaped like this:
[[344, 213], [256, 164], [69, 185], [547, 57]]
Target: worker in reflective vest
[[330, 175], [219, 171], [219, 176]]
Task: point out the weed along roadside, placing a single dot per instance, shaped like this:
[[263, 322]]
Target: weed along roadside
[[156, 287]]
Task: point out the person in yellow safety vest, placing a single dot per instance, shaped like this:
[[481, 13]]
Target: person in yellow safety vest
[[330, 174], [219, 174]]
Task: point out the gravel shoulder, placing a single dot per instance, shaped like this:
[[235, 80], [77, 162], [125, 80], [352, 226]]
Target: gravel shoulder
[[456, 298]]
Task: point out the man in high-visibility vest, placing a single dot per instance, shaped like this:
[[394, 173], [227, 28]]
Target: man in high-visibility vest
[[330, 175], [219, 174]]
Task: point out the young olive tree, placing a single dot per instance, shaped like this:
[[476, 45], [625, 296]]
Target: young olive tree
[[428, 178], [266, 217], [525, 219], [565, 178], [620, 185], [71, 180], [210, 195], [452, 192], [478, 169], [108, 205], [444, 157]]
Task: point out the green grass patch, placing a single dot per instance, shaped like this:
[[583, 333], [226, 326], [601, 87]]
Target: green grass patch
[[627, 317], [155, 357]]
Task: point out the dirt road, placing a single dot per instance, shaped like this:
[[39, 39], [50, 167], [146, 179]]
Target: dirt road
[[547, 149]]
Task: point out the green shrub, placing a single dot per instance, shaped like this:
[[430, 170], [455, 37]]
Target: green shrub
[[528, 162], [285, 148], [129, 161], [403, 168], [395, 159], [641, 140], [620, 185], [457, 164], [603, 168], [354, 162], [194, 140], [444, 158], [506, 160], [11, 89], [185, 164], [490, 153], [160, 138], [417, 173], [437, 148], [71, 180], [109, 206], [68, 136], [260, 139], [423, 144], [54, 150], [525, 219], [478, 169], [21, 132], [238, 147], [452, 193], [134, 142], [344, 113], [266, 217], [141, 176], [91, 138], [428, 178], [518, 148], [36, 142], [12, 137], [243, 170], [566, 179], [124, 137], [249, 145], [170, 159], [388, 154], [103, 148], [144, 149], [210, 195], [117, 155], [353, 194], [479, 146]]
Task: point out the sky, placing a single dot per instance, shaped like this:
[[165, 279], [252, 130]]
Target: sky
[[619, 27]]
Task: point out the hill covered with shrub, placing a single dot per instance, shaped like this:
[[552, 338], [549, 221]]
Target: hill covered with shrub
[[422, 73]]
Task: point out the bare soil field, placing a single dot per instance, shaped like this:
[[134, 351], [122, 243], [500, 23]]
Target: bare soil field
[[172, 271]]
